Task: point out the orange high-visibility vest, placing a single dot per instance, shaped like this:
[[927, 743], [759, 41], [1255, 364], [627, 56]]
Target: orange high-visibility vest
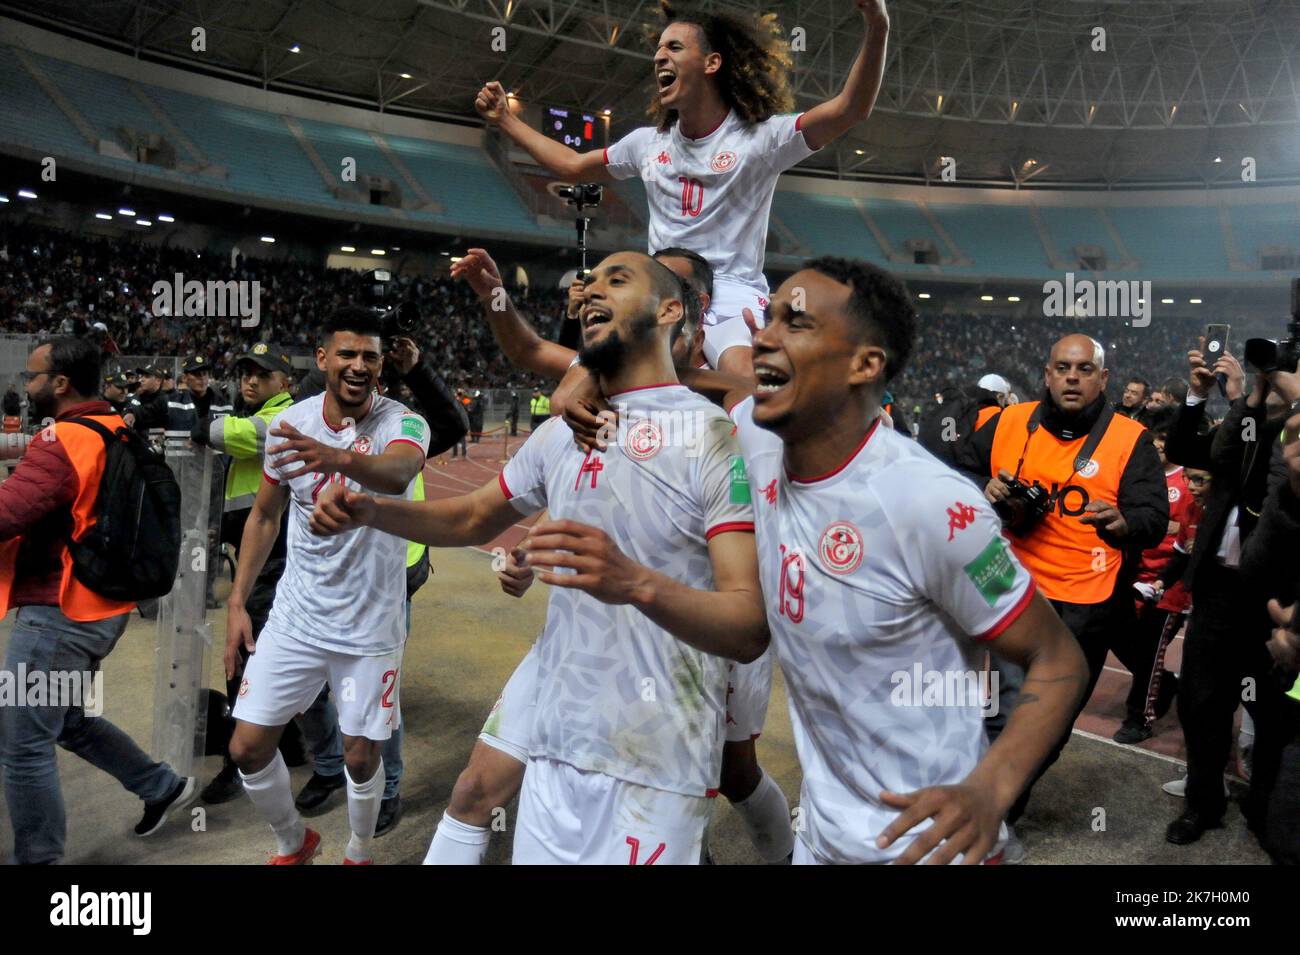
[[1066, 558], [982, 418], [85, 449]]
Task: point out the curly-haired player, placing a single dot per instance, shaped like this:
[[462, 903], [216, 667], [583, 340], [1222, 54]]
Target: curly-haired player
[[724, 132]]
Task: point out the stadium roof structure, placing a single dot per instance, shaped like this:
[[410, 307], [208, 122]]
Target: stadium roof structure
[[1023, 93]]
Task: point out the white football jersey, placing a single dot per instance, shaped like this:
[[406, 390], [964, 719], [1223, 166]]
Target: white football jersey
[[879, 578], [345, 593], [616, 693], [713, 195]]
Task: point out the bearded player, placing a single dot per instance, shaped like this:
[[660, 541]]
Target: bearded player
[[723, 133], [649, 549], [880, 565], [319, 629], [495, 770]]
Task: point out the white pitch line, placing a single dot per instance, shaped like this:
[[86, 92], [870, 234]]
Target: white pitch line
[[1132, 749]]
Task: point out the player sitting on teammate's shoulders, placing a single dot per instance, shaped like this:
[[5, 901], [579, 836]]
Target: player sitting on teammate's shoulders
[[883, 572], [650, 553], [724, 132]]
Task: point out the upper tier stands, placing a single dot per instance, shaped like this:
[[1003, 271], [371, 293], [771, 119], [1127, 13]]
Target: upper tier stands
[[64, 109]]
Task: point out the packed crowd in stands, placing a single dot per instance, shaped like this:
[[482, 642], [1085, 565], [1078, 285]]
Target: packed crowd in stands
[[55, 282]]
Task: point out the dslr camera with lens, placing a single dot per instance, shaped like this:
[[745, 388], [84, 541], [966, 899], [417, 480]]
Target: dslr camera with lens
[[1023, 507], [1269, 355], [396, 318]]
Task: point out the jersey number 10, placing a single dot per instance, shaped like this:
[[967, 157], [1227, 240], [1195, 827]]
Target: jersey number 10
[[692, 196]]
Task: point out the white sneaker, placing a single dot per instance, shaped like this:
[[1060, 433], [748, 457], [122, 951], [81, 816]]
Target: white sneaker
[[1013, 853], [1178, 787]]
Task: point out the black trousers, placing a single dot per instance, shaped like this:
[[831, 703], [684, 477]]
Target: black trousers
[[1094, 626], [1136, 647], [1226, 663]]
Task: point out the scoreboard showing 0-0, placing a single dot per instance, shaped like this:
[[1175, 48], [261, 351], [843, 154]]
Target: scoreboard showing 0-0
[[574, 129]]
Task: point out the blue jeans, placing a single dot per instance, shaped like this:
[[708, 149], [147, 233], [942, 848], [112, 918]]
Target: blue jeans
[[44, 640], [320, 725]]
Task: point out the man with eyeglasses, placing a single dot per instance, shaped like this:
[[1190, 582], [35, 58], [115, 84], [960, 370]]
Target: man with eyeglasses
[[63, 629]]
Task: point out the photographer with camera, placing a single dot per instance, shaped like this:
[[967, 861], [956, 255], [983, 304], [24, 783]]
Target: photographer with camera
[[1229, 627], [1079, 489]]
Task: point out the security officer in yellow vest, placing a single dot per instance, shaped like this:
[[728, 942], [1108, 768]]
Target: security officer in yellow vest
[[265, 377], [1102, 500], [539, 409], [408, 379]]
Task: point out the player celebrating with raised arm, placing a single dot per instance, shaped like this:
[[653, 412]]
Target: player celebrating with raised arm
[[723, 134], [651, 553], [339, 610], [882, 567]]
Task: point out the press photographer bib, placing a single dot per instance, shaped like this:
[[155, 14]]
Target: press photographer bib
[[1067, 558]]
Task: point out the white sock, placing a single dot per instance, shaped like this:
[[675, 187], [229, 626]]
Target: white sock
[[457, 843], [269, 790], [767, 820], [363, 811]]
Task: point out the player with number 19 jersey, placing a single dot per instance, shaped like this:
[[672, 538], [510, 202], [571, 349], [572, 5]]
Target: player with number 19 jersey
[[881, 580]]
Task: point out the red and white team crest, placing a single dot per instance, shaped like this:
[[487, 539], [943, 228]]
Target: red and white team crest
[[663, 159], [1174, 495], [644, 440], [841, 548], [362, 444], [243, 688], [723, 162], [762, 302], [1090, 469]]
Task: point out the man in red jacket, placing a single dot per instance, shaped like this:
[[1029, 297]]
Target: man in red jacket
[[63, 629]]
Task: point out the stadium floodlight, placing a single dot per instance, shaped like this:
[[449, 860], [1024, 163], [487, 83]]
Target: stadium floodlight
[[103, 215], [986, 298], [405, 76], [129, 213], [1166, 301], [1218, 159], [1013, 298], [378, 252], [166, 218], [26, 194], [1193, 301], [295, 48], [923, 295], [395, 248], [4, 198], [143, 222], [268, 239], [347, 248]]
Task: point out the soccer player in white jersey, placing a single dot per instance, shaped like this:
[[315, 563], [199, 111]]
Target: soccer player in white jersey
[[495, 769], [339, 611], [724, 132], [885, 576], [649, 547]]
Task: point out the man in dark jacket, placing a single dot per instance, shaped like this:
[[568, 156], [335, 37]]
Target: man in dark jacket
[[61, 624], [1271, 561], [147, 409], [1224, 649]]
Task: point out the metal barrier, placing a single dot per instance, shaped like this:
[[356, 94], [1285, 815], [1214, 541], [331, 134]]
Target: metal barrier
[[184, 634]]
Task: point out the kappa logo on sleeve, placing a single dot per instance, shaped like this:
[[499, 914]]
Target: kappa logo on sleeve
[[992, 572], [413, 428], [739, 481]]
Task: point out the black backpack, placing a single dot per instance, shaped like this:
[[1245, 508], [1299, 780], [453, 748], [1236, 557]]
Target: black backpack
[[953, 420], [133, 549]]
